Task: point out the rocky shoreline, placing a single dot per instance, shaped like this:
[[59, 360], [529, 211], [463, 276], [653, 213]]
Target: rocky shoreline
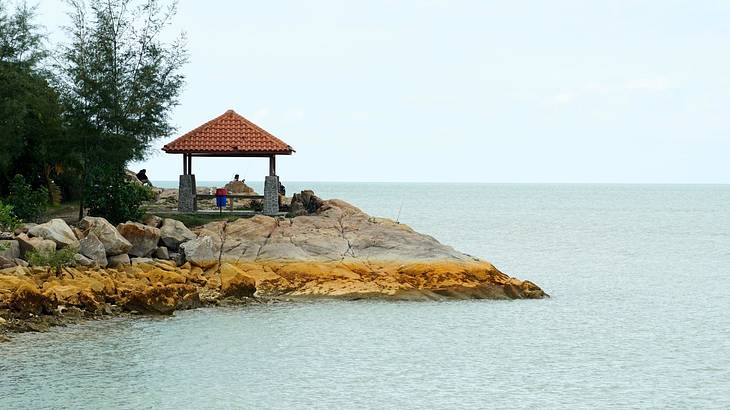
[[333, 251]]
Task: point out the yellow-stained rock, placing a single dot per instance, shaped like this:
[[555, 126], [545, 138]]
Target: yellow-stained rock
[[163, 299], [162, 288], [27, 299], [236, 283], [165, 277]]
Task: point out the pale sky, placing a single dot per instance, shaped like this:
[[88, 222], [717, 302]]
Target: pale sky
[[460, 91]]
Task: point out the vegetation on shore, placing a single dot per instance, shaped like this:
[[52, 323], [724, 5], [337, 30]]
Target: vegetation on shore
[[71, 119]]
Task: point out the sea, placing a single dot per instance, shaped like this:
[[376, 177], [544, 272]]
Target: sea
[[639, 317]]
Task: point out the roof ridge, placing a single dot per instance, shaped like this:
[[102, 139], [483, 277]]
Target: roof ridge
[[259, 128]]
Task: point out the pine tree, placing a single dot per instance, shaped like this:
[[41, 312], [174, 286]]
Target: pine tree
[[119, 80]]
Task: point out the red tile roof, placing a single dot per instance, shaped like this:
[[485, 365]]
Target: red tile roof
[[229, 133]]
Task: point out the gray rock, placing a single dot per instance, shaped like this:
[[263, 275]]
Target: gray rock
[[78, 233], [136, 261], [153, 221], [92, 248], [7, 236], [82, 260], [179, 258], [28, 244], [119, 260], [57, 231], [6, 263], [174, 232], [21, 262], [200, 252], [162, 253], [12, 251], [339, 231], [114, 242], [24, 228], [143, 238]]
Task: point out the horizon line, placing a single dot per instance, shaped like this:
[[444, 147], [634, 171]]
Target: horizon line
[[473, 182]]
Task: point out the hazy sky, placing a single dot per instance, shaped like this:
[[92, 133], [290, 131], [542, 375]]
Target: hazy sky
[[470, 91]]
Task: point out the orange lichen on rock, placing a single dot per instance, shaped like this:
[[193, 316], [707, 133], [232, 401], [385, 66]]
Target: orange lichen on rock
[[161, 288]]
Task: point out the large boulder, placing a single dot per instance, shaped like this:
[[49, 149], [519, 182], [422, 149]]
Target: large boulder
[[174, 232], [11, 249], [143, 238], [338, 231], [58, 231], [28, 244], [200, 252], [114, 242], [92, 248]]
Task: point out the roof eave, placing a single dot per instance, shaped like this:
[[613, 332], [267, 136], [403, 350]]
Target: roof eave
[[227, 153]]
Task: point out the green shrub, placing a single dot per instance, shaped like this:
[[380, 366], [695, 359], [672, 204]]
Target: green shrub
[[112, 196], [53, 260], [8, 220], [28, 203]]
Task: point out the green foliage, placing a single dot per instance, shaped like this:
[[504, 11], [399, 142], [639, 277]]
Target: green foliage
[[8, 221], [120, 79], [112, 196], [30, 112], [53, 259], [28, 203], [20, 39]]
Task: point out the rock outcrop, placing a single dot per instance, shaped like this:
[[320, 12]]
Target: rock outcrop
[[339, 232], [333, 251]]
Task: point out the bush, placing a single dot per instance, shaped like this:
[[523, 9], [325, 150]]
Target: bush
[[28, 203], [53, 259], [8, 220], [111, 196]]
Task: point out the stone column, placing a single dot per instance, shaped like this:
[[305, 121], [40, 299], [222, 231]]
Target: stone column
[[186, 194], [271, 195]]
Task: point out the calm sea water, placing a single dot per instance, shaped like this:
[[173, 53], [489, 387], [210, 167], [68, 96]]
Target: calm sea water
[[639, 317]]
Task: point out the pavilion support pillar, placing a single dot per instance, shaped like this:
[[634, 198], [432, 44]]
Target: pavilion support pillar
[[187, 201], [272, 165], [271, 195]]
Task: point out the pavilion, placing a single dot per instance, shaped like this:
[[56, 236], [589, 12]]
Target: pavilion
[[229, 135]]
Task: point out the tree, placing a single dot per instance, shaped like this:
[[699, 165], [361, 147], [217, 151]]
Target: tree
[[30, 125], [20, 39], [119, 80]]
